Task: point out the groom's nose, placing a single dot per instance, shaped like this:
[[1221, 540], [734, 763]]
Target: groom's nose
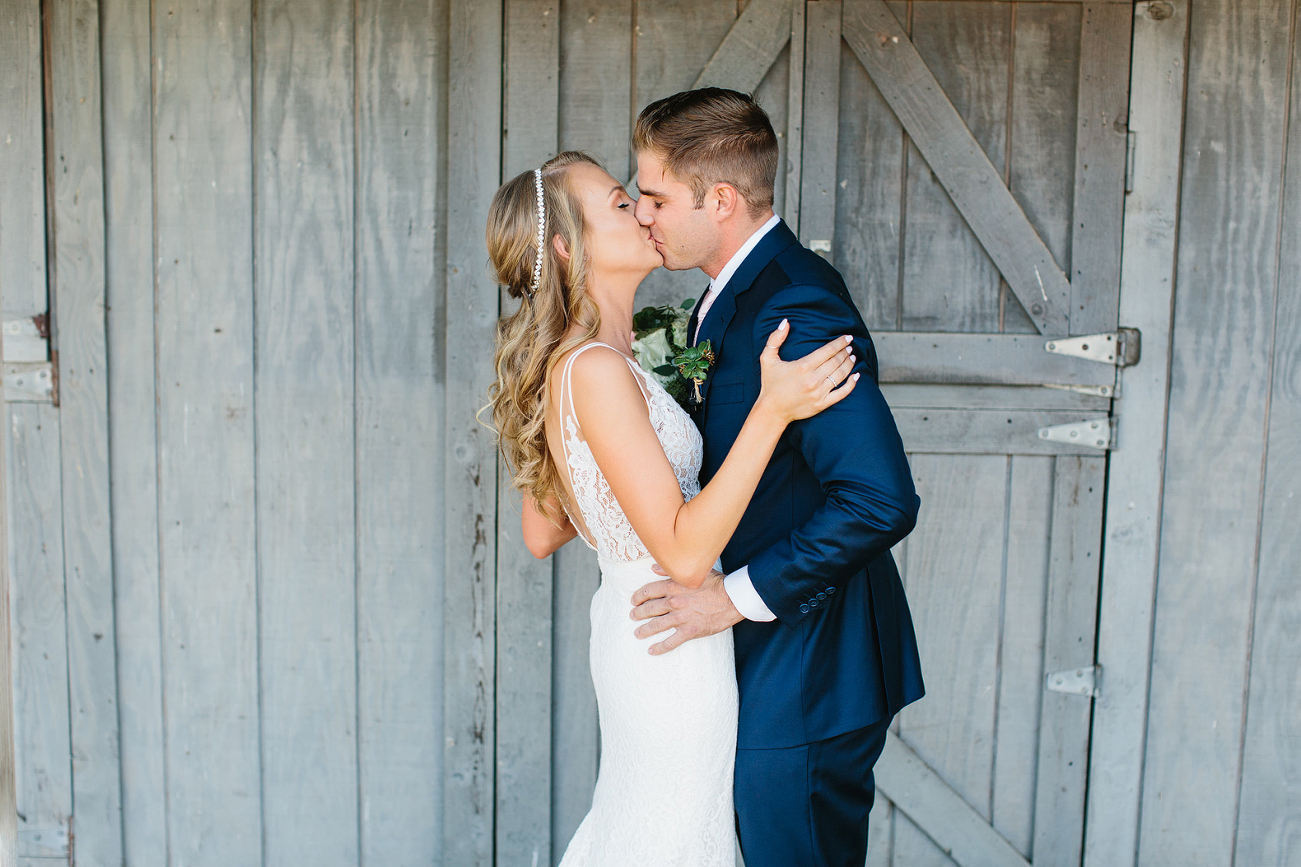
[[645, 214]]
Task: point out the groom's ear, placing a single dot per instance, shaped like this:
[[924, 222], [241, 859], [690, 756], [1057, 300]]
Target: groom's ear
[[561, 248], [724, 201]]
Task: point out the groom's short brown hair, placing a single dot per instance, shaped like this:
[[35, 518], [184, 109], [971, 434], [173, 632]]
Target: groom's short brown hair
[[711, 136]]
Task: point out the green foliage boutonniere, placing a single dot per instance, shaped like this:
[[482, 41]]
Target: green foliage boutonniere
[[659, 342]]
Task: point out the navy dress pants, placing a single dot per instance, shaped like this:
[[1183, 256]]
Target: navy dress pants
[[807, 806]]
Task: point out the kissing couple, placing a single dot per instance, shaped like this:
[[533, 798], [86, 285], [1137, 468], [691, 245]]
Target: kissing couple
[[754, 530]]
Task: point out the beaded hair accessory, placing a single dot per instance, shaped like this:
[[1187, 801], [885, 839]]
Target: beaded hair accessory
[[542, 220]]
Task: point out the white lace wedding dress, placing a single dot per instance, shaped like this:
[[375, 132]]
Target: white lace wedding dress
[[668, 723]]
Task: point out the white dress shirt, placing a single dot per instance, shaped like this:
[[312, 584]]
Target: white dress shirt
[[738, 584]]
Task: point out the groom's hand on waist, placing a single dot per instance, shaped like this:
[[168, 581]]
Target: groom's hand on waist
[[665, 605]]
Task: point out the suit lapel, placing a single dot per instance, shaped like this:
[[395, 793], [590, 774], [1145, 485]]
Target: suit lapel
[[720, 314]]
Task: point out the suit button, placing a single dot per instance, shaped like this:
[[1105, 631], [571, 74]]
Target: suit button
[[813, 603], [804, 609], [821, 596], [831, 590]]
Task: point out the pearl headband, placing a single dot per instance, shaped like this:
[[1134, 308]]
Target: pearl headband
[[542, 220]]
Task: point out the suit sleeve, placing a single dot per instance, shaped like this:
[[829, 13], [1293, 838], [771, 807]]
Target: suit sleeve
[[854, 450]]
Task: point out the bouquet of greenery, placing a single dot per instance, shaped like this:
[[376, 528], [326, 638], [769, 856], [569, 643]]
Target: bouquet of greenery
[[659, 342]]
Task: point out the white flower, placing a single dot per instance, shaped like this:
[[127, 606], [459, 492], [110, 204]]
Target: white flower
[[653, 351]]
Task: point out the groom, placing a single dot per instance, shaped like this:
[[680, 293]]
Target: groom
[[825, 649]]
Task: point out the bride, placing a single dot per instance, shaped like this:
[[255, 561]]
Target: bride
[[601, 451]]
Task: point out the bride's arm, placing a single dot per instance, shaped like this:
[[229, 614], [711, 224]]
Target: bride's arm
[[687, 538], [542, 537]]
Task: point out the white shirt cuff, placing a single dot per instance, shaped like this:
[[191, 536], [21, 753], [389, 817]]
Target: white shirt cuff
[[745, 597]]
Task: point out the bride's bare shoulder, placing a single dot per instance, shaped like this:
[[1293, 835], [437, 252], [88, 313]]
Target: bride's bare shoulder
[[600, 377]]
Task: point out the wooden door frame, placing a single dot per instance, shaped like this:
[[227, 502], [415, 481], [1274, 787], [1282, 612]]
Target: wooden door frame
[[1137, 467]]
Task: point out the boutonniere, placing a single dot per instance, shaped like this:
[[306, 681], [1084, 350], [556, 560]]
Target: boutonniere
[[693, 363], [659, 343]]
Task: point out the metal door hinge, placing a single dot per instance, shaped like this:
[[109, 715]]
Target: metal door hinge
[[1076, 681], [43, 842], [29, 383], [1096, 433], [1120, 348]]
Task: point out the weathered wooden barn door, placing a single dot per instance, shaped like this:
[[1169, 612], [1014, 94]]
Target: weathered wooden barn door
[[964, 167], [963, 163]]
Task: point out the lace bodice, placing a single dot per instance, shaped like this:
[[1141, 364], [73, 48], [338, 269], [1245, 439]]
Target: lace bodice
[[612, 536]]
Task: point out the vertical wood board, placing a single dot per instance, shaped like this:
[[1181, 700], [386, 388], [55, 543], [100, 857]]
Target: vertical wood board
[[474, 166], [869, 197], [1020, 665], [1269, 811], [1100, 155], [950, 283], [1135, 470], [77, 200], [38, 620], [818, 185], [207, 544], [1070, 625], [402, 54], [306, 476], [1227, 261], [1041, 138], [132, 398], [524, 583], [22, 161]]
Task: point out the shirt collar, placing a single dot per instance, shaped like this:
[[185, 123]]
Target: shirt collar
[[717, 284]]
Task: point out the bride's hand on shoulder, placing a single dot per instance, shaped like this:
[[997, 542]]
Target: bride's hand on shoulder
[[804, 387]]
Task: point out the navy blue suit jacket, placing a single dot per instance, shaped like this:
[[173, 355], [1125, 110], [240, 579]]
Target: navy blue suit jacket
[[835, 497]]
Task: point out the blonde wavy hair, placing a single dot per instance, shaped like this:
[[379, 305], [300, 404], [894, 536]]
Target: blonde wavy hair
[[532, 339]]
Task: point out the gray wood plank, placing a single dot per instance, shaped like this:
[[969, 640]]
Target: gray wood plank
[[207, 543], [1227, 271], [750, 47], [595, 113], [574, 735], [1041, 138], [869, 200], [795, 119], [1069, 633], [38, 619], [34, 716], [8, 762], [1020, 676], [958, 160], [596, 110], [672, 42], [773, 94], [818, 184], [22, 161], [524, 583], [1101, 146], [473, 169], [77, 198], [880, 832], [400, 317], [955, 565], [304, 382], [132, 395], [986, 431], [532, 84], [941, 396], [1269, 809], [1002, 359], [1135, 474], [928, 800], [950, 283]]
